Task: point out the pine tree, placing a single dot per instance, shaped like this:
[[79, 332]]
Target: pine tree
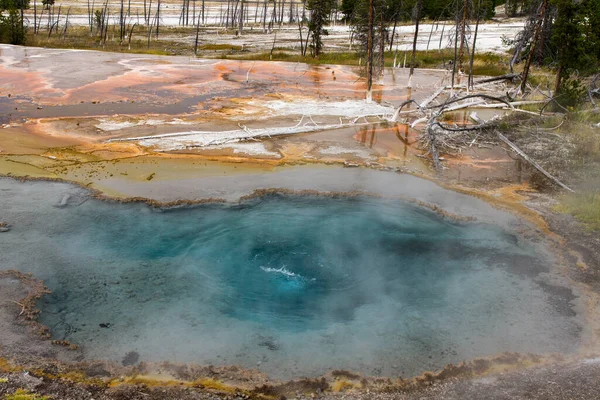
[[320, 10], [370, 31], [12, 22]]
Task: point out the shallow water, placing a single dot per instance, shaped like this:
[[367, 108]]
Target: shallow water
[[293, 286]]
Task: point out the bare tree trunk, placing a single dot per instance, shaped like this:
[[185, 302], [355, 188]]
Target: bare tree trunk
[[265, 16], [241, 20], [157, 17], [531, 54], [394, 31], [382, 43], [57, 17], [301, 40], [370, 54], [430, 34], [35, 15], [470, 83], [281, 8], [130, 35], [414, 49], [197, 35], [105, 24], [64, 33], [122, 22], [463, 35], [455, 46], [273, 16], [273, 47], [150, 29], [227, 15]]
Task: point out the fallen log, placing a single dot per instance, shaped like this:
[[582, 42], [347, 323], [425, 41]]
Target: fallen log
[[428, 100], [507, 77], [529, 160]]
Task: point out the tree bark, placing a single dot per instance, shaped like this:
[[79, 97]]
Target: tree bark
[[370, 53], [531, 54], [463, 35], [474, 45], [415, 38], [241, 20]]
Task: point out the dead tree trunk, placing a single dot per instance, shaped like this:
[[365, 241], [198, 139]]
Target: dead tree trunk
[[463, 35], [430, 34], [382, 43], [394, 30], [241, 19], [455, 47], [536, 165], [122, 22], [35, 15], [370, 53], [470, 83], [130, 35], [157, 18], [197, 35], [64, 33], [417, 13], [536, 34]]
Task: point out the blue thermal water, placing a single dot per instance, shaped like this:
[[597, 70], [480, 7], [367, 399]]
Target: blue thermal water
[[293, 285]]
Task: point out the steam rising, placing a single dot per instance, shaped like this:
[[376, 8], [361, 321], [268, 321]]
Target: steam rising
[[293, 286]]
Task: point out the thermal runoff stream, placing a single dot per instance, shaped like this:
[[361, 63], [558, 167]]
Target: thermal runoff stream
[[290, 285]]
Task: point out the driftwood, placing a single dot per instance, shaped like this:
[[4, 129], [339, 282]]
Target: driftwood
[[532, 162]]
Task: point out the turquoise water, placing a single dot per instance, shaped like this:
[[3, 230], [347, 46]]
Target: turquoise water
[[293, 286]]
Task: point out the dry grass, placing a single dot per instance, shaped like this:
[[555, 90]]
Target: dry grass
[[584, 206], [22, 394], [485, 63]]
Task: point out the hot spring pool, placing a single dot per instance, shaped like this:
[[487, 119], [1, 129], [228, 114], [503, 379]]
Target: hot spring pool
[[292, 286]]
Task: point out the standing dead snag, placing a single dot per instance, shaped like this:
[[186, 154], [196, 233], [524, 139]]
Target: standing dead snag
[[536, 35], [463, 34], [470, 82], [417, 13], [370, 53]]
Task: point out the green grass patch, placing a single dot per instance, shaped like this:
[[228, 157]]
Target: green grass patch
[[22, 394], [485, 63], [215, 46], [584, 206]]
